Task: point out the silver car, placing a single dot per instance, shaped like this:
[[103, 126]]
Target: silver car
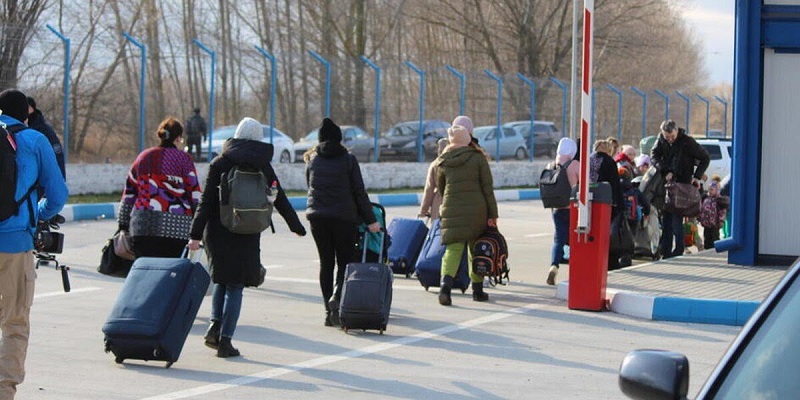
[[512, 144]]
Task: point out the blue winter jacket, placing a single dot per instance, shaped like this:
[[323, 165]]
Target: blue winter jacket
[[35, 161]]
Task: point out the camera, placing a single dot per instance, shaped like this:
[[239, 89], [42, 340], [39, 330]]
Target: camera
[[48, 243]]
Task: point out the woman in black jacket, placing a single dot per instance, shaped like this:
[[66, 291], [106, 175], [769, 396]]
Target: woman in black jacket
[[234, 259], [603, 168], [337, 204]]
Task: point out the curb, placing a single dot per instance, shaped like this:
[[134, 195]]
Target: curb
[[97, 211], [674, 309]]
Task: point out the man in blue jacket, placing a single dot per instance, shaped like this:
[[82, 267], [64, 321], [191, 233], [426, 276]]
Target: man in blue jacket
[[36, 163]]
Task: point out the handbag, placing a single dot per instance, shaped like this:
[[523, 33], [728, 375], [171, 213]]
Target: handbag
[[254, 277], [111, 264], [123, 245], [683, 199]]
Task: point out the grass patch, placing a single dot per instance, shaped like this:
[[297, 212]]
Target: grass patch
[[115, 197]]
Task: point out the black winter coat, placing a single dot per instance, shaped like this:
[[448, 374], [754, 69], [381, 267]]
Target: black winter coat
[[335, 186], [603, 168], [231, 255], [38, 122], [680, 158]]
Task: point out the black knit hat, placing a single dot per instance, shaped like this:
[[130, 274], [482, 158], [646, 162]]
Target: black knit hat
[[329, 132], [14, 104]]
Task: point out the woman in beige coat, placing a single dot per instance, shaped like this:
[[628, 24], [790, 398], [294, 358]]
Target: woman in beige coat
[[431, 198]]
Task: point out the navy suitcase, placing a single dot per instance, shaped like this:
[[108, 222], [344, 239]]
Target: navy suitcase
[[366, 295], [429, 262], [155, 309], [407, 235]]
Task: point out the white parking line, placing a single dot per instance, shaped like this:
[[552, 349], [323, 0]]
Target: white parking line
[[535, 235], [53, 294], [321, 361]]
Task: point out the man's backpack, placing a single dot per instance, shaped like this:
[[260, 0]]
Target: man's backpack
[[9, 205], [490, 256], [554, 187], [245, 200]]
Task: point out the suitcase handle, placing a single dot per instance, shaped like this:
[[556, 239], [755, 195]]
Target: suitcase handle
[[364, 250], [191, 254]]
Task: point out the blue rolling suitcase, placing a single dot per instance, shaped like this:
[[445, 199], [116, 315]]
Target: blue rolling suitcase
[[155, 309], [407, 235], [366, 295], [429, 262]]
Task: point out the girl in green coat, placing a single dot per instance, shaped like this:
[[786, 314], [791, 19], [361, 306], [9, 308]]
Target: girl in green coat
[[465, 182]]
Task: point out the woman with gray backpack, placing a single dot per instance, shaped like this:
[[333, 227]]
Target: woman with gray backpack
[[240, 192]]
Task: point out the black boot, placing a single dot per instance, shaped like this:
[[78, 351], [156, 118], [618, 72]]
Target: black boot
[[212, 334], [444, 290], [333, 309], [477, 292], [226, 348]]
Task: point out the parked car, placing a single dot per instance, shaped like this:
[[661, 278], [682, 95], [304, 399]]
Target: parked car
[[359, 142], [512, 144], [401, 139], [545, 139], [721, 152], [761, 362], [284, 145]]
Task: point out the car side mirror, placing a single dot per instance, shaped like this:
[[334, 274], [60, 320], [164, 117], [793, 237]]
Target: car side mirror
[[654, 375]]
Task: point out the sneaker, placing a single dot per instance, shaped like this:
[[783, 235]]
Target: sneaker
[[551, 275]]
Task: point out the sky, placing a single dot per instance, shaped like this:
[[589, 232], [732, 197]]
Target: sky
[[712, 22]]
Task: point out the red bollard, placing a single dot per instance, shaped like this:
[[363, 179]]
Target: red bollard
[[588, 253]]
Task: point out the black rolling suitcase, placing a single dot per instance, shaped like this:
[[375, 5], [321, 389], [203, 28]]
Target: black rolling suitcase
[[155, 309], [366, 294]]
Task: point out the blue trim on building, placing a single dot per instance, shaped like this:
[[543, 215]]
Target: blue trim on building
[[743, 248], [399, 199], [529, 194]]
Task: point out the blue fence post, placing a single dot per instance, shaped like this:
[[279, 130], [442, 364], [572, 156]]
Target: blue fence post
[[377, 69], [462, 87], [273, 81], [142, 105], [532, 85], [67, 67], [708, 108], [619, 109], [211, 100], [644, 109], [688, 101], [499, 81], [666, 103], [565, 91], [421, 73], [724, 116], [327, 66]]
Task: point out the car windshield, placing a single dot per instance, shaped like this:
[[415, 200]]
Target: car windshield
[[484, 132], [767, 368], [312, 136], [223, 133]]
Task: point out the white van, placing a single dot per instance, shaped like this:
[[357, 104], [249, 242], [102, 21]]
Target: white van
[[721, 153]]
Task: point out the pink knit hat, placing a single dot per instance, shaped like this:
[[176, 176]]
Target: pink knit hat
[[465, 121]]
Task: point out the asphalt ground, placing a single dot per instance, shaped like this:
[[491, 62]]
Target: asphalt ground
[[522, 344]]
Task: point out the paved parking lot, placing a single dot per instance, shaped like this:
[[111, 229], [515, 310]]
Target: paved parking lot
[[524, 343]]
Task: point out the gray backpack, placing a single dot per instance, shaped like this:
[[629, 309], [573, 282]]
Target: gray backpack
[[245, 200]]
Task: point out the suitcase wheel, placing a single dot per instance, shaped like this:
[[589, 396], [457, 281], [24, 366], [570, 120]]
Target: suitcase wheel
[[119, 360], [463, 290], [426, 288], [408, 275], [169, 364]]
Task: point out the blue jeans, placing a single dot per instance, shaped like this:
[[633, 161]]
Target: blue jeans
[[561, 237], [671, 228], [226, 304]]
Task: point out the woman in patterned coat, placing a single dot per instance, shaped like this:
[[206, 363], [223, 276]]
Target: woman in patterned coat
[[160, 197]]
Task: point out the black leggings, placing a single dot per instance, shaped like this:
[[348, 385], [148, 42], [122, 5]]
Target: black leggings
[[335, 241]]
